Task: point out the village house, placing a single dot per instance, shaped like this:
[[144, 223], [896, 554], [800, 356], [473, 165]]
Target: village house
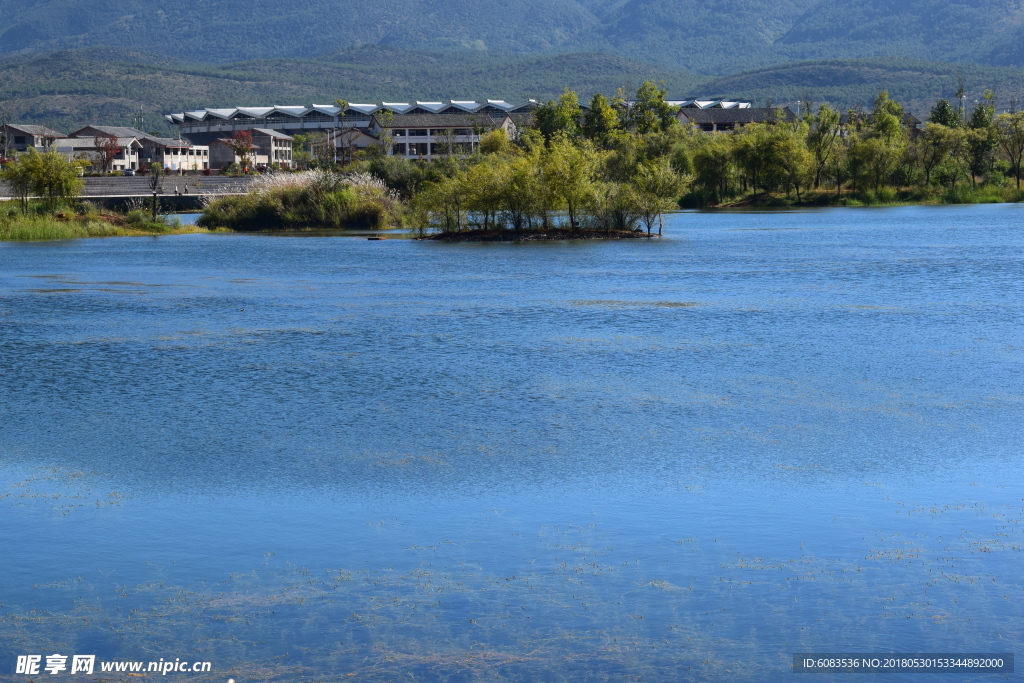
[[15, 137], [175, 154], [87, 150], [269, 148]]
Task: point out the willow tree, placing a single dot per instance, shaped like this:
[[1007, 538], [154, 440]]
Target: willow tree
[[570, 172], [1010, 129], [823, 139], [656, 189]]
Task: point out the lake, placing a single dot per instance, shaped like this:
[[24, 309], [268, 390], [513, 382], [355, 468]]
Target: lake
[[329, 458]]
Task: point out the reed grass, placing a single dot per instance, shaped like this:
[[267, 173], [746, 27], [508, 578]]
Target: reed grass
[[65, 225], [311, 199]]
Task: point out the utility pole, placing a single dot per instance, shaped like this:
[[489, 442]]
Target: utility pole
[[5, 120]]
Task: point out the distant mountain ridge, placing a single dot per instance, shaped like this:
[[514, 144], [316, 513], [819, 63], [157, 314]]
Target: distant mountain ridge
[[72, 88], [707, 36]]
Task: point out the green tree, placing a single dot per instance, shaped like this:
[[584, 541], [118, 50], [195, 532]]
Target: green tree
[[713, 167], [823, 139], [601, 121], [944, 114], [1010, 129], [47, 175], [561, 117], [570, 172], [795, 161], [933, 147], [650, 112], [656, 189], [495, 142], [982, 138]]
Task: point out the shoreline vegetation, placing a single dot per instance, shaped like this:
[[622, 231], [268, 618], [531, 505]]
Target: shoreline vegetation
[[84, 221], [611, 172], [616, 167]]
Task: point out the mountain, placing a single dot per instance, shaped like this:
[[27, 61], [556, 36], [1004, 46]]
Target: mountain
[[231, 30], [707, 36], [70, 88], [856, 82]]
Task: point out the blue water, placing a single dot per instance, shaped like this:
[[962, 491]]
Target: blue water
[[677, 459]]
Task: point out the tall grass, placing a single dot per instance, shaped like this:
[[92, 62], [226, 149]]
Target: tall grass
[[26, 228], [85, 221], [311, 199]]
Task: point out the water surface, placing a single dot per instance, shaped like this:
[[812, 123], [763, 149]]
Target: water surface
[[678, 459]]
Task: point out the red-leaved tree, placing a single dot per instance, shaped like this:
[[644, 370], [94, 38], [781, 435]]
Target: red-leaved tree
[[107, 149], [241, 144]]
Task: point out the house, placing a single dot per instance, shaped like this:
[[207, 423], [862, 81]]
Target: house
[[423, 136], [269, 147], [717, 120], [90, 150], [19, 138], [342, 143], [176, 154]]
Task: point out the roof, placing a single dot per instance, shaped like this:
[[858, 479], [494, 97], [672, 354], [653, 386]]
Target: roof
[[710, 103], [354, 110], [738, 115], [441, 121], [116, 131], [35, 130], [89, 143], [272, 133], [168, 142]]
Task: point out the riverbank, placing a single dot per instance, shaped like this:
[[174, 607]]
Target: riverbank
[[535, 235], [66, 225], [986, 194]]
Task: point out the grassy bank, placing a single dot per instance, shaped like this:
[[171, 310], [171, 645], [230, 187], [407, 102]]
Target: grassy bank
[[984, 194], [19, 227]]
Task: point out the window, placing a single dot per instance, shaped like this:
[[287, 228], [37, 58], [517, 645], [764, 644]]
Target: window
[[418, 132], [418, 149], [463, 131], [19, 139], [399, 149], [398, 132]]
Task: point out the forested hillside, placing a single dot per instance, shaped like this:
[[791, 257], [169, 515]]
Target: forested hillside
[[75, 87], [710, 37], [71, 88]]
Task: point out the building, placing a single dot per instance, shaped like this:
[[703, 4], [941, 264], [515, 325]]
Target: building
[[710, 103], [205, 125], [176, 154], [269, 147], [15, 137], [718, 120], [424, 136], [84, 145]]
